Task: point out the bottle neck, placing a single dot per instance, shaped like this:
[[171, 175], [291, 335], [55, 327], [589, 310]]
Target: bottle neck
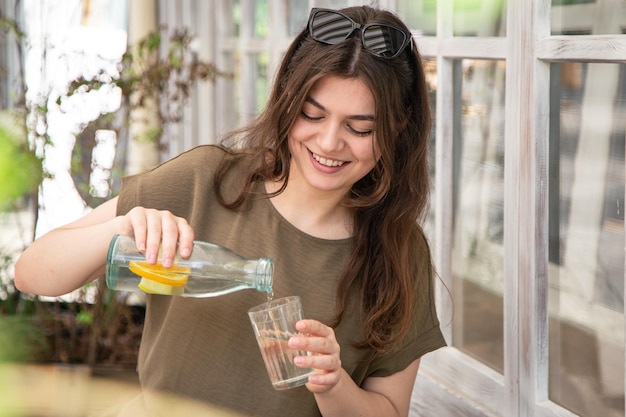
[[263, 274]]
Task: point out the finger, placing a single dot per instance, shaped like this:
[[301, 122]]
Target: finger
[[327, 363], [185, 237], [169, 238], [314, 327], [153, 240], [323, 379], [318, 345], [137, 220]]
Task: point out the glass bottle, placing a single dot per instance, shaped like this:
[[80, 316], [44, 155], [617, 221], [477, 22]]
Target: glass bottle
[[210, 271]]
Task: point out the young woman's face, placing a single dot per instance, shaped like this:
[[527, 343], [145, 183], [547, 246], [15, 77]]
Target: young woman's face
[[332, 141]]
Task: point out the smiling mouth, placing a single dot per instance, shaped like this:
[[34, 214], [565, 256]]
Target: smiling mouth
[[327, 162]]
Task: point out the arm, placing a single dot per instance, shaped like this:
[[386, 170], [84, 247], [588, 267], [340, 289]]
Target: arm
[[70, 256], [335, 391]]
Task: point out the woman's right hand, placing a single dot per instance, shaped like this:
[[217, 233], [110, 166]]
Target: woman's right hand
[[154, 229]]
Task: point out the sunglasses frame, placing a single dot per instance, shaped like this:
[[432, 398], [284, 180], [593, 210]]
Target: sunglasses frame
[[355, 25]]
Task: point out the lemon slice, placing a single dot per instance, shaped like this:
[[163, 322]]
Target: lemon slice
[[175, 276], [154, 287]]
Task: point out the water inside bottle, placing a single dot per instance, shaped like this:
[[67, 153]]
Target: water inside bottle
[[177, 280]]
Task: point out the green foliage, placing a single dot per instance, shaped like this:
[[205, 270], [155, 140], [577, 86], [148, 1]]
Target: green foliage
[[20, 168], [21, 339]]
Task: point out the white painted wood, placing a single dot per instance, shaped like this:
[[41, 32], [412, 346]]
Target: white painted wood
[[247, 63], [463, 376], [277, 37], [524, 299], [467, 48], [204, 107], [437, 400], [224, 59], [588, 48]]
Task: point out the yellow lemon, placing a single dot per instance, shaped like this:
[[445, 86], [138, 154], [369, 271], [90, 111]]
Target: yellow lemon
[[153, 287], [175, 276]]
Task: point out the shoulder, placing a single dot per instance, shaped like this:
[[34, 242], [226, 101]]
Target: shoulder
[[180, 178], [203, 155]]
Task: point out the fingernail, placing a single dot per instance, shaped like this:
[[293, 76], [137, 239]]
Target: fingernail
[[185, 252]]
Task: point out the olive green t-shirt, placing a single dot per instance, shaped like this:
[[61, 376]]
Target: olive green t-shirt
[[205, 348]]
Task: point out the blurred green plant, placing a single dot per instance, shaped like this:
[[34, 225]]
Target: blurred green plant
[[20, 168], [100, 327]]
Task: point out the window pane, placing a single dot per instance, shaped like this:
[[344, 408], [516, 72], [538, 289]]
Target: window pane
[[262, 81], [586, 238], [420, 15], [585, 17], [261, 19], [477, 263], [297, 15], [471, 17], [479, 18]]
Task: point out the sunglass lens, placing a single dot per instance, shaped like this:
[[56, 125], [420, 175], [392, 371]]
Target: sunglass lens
[[329, 27], [384, 41]]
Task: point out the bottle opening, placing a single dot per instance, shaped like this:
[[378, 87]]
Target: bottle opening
[[265, 273]]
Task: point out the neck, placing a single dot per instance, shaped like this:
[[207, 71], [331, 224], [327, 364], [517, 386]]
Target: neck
[[314, 212]]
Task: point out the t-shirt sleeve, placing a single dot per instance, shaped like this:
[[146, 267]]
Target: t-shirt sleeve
[[172, 184], [424, 334], [396, 361]]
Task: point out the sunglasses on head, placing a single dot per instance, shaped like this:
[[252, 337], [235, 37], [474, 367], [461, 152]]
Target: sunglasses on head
[[331, 27]]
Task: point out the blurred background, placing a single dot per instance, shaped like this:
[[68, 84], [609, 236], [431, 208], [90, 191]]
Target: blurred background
[[527, 169]]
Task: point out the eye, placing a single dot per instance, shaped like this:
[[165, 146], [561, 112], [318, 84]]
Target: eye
[[359, 132], [311, 118]]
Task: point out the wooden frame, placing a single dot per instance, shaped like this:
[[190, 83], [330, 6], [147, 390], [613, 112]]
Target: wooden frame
[[450, 382]]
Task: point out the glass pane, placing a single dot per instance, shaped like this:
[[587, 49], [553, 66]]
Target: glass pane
[[588, 17], [297, 15], [586, 237], [420, 15], [255, 15], [479, 17], [261, 19], [471, 17], [262, 81], [298, 12], [477, 248]]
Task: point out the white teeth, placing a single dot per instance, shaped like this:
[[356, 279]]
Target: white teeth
[[328, 162]]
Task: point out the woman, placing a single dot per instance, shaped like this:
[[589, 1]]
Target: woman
[[330, 181]]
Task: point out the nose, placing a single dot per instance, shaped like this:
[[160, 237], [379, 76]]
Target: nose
[[330, 138]]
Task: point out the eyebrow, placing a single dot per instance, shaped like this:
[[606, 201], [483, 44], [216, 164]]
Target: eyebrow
[[366, 117]]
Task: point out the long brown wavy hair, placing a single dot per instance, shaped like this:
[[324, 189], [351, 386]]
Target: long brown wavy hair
[[389, 202]]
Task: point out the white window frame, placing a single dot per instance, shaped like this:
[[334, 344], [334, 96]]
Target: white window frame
[[450, 383]]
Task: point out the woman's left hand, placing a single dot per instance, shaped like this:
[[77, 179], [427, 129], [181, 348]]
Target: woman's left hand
[[321, 342]]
